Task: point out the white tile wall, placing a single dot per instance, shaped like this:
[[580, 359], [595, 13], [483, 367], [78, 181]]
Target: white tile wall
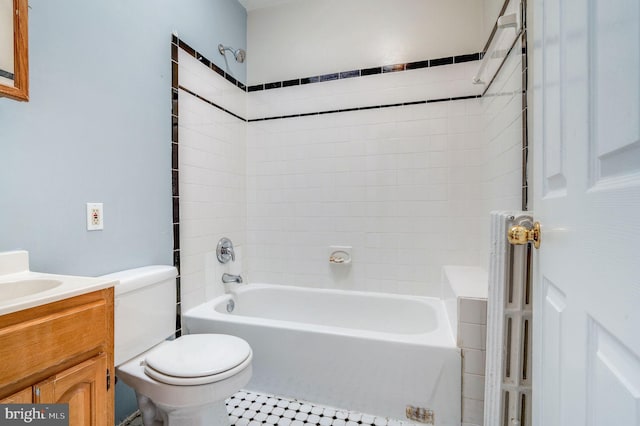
[[337, 180], [472, 336], [409, 187], [502, 142], [390, 182], [212, 164]]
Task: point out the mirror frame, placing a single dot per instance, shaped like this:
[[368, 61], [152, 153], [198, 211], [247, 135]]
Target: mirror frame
[[20, 90]]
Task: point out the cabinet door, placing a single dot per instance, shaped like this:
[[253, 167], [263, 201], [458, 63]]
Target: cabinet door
[[83, 387], [22, 397]]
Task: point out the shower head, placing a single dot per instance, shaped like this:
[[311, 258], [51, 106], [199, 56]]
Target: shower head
[[239, 54]]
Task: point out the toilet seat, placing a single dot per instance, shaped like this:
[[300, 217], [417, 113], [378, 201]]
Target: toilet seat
[[198, 359]]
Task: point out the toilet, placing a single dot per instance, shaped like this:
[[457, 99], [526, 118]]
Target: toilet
[[181, 382]]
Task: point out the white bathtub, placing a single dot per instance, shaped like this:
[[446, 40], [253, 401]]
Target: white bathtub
[[369, 352]]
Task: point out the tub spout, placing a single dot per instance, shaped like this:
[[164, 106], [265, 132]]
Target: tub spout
[[228, 278]]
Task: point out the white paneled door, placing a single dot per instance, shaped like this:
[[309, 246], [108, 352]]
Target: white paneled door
[[587, 198]]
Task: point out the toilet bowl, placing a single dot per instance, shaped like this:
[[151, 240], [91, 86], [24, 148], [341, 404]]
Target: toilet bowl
[[184, 381]]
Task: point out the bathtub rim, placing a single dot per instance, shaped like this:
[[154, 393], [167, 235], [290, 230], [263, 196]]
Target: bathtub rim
[[442, 336]]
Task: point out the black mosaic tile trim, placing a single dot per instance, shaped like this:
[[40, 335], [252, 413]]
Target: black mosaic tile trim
[[329, 77], [176, 236], [174, 155], [370, 71], [218, 70], [174, 74], [231, 79], [174, 102], [212, 103], [394, 68], [289, 83], [175, 187], [350, 74], [308, 80], [417, 65], [188, 49], [204, 61], [441, 61], [174, 51], [274, 85], [466, 58], [178, 320], [174, 128], [524, 200]]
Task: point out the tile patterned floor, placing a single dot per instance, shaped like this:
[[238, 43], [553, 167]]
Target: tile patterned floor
[[247, 408]]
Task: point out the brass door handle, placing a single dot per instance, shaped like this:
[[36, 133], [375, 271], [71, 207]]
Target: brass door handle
[[519, 235]]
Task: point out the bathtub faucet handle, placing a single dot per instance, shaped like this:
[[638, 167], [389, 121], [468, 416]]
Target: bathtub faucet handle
[[229, 252], [225, 251]]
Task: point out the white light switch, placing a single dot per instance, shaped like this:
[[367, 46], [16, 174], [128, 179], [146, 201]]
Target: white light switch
[[95, 217]]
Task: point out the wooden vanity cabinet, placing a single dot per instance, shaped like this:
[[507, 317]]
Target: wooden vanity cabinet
[[25, 396], [61, 353]]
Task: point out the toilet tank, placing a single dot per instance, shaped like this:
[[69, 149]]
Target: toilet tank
[[145, 309]]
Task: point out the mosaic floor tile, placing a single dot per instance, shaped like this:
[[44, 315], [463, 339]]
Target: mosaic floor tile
[[248, 408]]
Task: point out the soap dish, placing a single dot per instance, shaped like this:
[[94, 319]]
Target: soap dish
[[340, 256]]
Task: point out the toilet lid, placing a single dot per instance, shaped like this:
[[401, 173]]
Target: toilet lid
[[198, 356]]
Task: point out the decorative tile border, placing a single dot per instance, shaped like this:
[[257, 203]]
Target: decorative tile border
[[363, 72], [175, 175], [177, 43], [382, 69], [525, 108]]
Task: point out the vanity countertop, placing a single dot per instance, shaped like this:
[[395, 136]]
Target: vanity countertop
[[21, 288]]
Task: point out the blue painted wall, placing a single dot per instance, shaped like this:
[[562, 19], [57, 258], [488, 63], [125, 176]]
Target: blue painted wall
[[97, 129]]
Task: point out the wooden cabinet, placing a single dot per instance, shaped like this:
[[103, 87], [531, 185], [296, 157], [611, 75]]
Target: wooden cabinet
[[25, 396], [83, 387], [61, 353]]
